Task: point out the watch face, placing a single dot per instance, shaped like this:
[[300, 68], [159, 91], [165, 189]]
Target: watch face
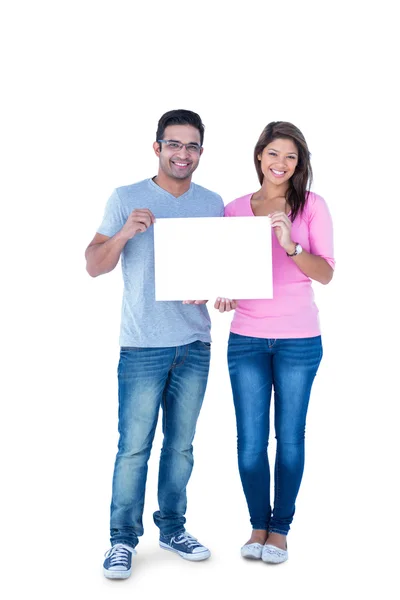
[[299, 249]]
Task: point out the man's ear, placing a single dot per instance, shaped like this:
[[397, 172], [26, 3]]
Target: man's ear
[[157, 148]]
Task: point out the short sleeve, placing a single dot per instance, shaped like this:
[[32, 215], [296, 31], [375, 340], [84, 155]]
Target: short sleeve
[[229, 210], [113, 219], [320, 229]]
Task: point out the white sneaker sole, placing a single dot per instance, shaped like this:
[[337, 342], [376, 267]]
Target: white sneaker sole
[[193, 557], [116, 574]]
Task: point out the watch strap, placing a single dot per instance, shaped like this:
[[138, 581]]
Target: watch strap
[[295, 253]]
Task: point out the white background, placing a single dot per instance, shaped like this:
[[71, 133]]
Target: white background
[[84, 84]]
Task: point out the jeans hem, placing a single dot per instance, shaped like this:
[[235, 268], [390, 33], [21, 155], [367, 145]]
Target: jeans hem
[[126, 542], [170, 535], [280, 531]]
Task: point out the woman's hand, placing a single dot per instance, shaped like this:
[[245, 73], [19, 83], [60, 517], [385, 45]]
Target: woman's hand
[[225, 304], [194, 301], [282, 226]]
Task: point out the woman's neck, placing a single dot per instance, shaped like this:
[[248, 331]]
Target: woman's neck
[[269, 191], [270, 198]]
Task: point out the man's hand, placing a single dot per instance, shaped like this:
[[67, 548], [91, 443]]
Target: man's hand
[[138, 221], [194, 301]]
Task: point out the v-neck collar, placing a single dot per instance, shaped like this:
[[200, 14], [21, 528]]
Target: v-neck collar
[[166, 193]]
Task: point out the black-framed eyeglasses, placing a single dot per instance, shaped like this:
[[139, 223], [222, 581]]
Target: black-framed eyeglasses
[[192, 147]]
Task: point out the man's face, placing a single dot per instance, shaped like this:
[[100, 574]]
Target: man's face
[[179, 163]]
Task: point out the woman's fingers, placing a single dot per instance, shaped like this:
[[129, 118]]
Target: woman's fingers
[[225, 304]]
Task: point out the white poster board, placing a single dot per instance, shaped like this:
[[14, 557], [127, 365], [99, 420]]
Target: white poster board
[[203, 258]]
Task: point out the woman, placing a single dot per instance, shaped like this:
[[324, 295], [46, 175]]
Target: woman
[[277, 343]]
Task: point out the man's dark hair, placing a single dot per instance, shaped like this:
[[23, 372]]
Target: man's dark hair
[[180, 117]]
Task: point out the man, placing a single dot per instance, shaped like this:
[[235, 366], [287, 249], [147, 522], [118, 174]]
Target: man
[[165, 346]]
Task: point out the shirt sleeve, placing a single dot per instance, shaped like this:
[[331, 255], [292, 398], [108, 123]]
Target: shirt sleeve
[[230, 209], [113, 219], [222, 207], [321, 230]]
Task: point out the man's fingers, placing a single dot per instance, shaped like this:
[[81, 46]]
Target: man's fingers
[[143, 215], [146, 219]]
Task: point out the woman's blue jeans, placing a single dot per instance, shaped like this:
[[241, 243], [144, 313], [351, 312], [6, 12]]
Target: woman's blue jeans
[[175, 379], [256, 365]]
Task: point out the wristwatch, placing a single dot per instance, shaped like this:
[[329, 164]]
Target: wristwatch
[[298, 250]]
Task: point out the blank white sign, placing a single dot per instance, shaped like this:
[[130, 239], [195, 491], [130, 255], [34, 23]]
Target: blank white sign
[[206, 257]]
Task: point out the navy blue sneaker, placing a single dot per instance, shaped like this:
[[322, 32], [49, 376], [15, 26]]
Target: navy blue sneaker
[[118, 563], [185, 545]]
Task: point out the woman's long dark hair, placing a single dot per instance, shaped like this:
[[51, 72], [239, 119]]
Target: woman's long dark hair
[[301, 179]]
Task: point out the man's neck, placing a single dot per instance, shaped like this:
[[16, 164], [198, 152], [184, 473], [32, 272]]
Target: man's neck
[[176, 187]]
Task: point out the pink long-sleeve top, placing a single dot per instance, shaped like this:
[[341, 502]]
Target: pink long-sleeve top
[[292, 312]]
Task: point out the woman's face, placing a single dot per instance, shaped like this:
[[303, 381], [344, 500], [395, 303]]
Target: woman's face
[[279, 160]]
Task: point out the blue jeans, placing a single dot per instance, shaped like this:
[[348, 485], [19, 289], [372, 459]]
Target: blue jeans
[[176, 379], [257, 365]]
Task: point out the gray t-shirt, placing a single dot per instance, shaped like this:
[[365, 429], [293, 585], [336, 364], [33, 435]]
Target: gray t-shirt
[[144, 322]]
